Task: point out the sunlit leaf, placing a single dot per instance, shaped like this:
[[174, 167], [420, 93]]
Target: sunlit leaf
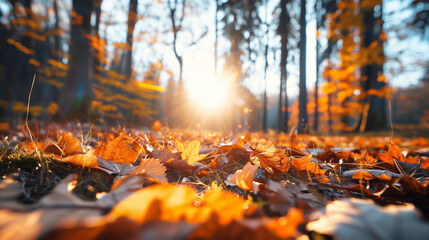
[[244, 177]]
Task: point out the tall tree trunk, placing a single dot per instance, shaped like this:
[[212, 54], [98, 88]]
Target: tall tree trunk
[[76, 96], [316, 85], [132, 19], [374, 116], [265, 102], [303, 117], [283, 31]]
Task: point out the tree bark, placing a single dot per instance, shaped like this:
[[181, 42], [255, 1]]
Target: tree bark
[[76, 96], [303, 117], [132, 19], [374, 116]]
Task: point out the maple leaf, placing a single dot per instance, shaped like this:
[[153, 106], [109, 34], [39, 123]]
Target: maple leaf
[[244, 177], [306, 169], [270, 158], [192, 151]]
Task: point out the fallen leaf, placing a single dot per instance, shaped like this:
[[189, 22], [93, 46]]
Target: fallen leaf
[[191, 152], [244, 177], [153, 168], [370, 174], [305, 168], [119, 150], [270, 158]]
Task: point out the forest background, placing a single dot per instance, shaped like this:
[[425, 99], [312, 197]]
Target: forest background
[[315, 66]]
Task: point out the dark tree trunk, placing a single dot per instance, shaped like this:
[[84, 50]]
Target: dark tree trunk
[[374, 116], [283, 31], [316, 85], [132, 19], [303, 117], [76, 95], [265, 102]]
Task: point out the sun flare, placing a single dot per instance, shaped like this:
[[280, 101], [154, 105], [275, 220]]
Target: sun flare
[[209, 95]]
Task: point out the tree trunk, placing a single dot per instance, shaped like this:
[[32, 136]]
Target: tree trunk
[[374, 116], [132, 19], [303, 117], [265, 102], [76, 96]]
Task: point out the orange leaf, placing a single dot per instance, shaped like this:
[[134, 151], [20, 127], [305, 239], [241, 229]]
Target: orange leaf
[[119, 150], [306, 169], [70, 145], [270, 158], [164, 202], [244, 177]]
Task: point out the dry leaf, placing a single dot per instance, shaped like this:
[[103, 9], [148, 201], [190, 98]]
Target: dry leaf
[[119, 150], [153, 168], [165, 202], [307, 169], [192, 151], [69, 145], [244, 177], [270, 158]]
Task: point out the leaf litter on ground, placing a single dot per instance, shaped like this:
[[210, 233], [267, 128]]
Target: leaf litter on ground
[[177, 184]]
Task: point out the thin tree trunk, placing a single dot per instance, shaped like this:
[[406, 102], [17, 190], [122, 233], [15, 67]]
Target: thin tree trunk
[[132, 19], [264, 108], [316, 85], [303, 117]]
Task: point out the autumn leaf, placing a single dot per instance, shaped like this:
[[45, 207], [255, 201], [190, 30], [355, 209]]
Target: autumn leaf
[[244, 177], [191, 152], [87, 159], [369, 174], [164, 202], [119, 150], [69, 145], [153, 168], [270, 158], [307, 169]]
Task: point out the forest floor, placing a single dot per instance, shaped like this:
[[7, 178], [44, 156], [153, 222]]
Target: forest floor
[[88, 182]]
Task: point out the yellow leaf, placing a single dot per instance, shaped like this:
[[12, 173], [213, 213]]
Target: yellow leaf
[[191, 152]]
